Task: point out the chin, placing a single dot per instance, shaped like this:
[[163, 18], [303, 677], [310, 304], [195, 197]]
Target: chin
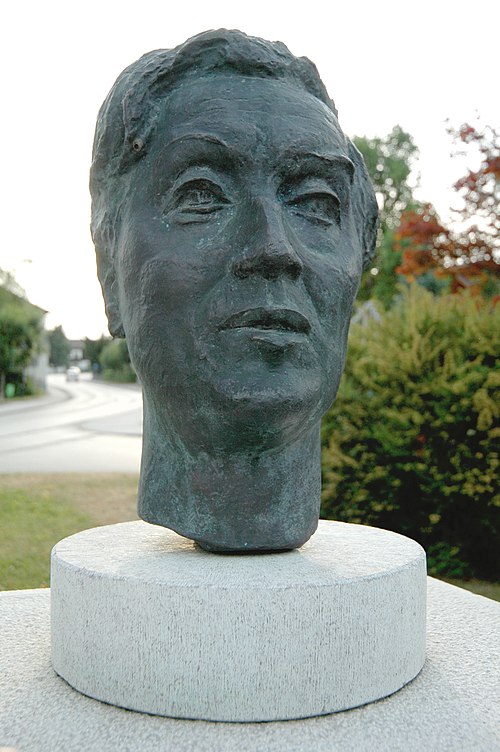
[[242, 413], [265, 419]]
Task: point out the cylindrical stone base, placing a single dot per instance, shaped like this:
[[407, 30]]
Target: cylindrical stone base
[[144, 619]]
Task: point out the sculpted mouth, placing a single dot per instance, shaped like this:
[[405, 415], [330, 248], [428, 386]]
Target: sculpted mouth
[[276, 319]]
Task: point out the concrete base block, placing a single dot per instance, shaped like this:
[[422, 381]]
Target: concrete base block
[[451, 705], [144, 619]]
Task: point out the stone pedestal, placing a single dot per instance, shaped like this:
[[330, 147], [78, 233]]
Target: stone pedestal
[[143, 619]]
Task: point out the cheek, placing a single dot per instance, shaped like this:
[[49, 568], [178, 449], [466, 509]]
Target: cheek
[[332, 282], [156, 271], [163, 285]]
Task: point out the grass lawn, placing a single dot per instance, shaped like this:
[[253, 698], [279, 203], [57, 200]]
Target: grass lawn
[[37, 510], [488, 589]]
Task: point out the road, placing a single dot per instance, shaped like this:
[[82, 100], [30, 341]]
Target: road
[[82, 426]]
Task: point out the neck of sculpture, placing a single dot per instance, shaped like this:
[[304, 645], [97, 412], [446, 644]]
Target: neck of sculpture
[[266, 501]]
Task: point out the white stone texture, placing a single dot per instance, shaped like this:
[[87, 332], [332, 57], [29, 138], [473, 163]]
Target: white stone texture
[[452, 705], [143, 619]]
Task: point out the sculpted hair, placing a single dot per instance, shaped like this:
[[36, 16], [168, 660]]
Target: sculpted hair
[[128, 117]]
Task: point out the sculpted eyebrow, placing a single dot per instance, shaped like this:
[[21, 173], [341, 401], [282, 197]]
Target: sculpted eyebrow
[[192, 149], [203, 137], [298, 163]]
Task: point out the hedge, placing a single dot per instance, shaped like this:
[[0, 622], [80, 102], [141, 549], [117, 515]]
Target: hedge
[[410, 443]]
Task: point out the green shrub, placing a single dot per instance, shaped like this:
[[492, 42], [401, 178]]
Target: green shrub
[[23, 386], [115, 361], [123, 375], [409, 444]]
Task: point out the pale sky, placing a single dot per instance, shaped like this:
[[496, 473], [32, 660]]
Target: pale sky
[[383, 62]]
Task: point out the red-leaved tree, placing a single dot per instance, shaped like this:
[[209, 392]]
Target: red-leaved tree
[[470, 254]]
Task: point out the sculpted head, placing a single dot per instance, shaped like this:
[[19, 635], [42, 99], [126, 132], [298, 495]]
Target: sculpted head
[[232, 219]]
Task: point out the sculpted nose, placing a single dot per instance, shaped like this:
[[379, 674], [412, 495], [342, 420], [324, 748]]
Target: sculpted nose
[[268, 251]]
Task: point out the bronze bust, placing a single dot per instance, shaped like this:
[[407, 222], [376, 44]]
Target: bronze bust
[[232, 219]]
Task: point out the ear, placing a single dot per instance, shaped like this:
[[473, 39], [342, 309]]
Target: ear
[[109, 287], [364, 204]]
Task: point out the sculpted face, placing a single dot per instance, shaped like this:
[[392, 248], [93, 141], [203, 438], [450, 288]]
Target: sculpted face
[[238, 263]]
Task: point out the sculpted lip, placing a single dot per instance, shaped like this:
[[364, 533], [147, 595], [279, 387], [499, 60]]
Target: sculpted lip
[[276, 319]]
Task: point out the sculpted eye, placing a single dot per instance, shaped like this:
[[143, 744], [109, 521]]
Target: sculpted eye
[[322, 207], [196, 200]]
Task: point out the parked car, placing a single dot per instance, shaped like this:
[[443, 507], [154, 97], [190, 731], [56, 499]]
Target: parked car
[[73, 373]]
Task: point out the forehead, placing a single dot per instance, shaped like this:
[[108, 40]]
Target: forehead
[[249, 114]]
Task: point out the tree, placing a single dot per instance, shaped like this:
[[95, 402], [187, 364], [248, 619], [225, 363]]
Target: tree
[[59, 348], [480, 190], [389, 161], [92, 349], [468, 257], [21, 327]]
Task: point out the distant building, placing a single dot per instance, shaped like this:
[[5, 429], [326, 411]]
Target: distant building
[[77, 348], [76, 351], [39, 367]]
